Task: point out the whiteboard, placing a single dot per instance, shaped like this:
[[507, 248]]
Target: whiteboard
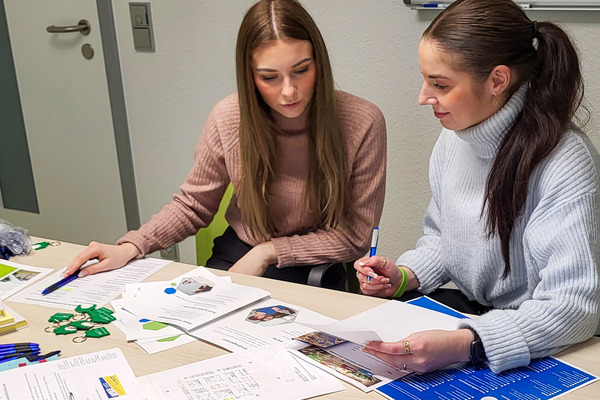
[[527, 4]]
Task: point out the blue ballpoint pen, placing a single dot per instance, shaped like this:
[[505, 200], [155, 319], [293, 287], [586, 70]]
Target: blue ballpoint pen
[[60, 283], [3, 353], [434, 5], [374, 241], [68, 278], [19, 346], [6, 352]]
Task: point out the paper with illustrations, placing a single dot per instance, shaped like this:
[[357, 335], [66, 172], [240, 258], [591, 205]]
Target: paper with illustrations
[[267, 373], [14, 277], [189, 301], [391, 321], [268, 322]]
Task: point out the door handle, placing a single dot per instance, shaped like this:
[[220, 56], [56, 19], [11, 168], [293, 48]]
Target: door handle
[[82, 27]]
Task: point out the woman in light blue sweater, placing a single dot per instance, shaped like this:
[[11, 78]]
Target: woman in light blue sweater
[[515, 210]]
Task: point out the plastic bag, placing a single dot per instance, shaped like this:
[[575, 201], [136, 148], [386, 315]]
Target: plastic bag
[[14, 238]]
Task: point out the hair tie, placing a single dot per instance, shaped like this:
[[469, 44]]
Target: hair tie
[[536, 32]]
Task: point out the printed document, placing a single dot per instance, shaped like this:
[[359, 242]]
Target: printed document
[[96, 289], [14, 277], [102, 375], [543, 379], [189, 301], [269, 322], [389, 322], [269, 373]]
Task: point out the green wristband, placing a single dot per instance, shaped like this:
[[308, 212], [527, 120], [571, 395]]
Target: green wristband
[[402, 286]]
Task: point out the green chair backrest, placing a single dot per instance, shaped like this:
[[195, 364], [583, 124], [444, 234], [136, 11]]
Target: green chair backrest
[[205, 236]]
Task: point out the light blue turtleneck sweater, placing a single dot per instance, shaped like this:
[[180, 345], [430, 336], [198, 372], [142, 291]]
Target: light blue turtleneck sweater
[[551, 298]]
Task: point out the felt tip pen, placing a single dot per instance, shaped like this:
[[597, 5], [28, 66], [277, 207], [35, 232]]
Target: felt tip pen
[[374, 241], [68, 278]]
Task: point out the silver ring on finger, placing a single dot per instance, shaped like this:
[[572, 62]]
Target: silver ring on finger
[[404, 367]]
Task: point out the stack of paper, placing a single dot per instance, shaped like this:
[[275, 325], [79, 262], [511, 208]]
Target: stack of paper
[[10, 320], [167, 310]]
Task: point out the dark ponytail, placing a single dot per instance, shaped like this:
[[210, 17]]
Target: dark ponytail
[[483, 34]]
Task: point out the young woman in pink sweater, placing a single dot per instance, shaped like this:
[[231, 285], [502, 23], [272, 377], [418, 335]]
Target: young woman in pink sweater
[[307, 163]]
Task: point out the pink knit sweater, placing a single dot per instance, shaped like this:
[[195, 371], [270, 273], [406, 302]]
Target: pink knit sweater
[[217, 162]]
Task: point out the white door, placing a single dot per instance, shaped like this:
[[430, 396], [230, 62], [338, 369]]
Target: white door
[[68, 123]]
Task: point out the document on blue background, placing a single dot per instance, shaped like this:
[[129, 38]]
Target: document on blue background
[[542, 379]]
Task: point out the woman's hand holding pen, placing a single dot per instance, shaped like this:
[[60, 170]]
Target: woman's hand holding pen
[[110, 257], [385, 276]]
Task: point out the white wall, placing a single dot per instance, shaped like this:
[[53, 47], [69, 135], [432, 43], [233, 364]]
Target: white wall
[[372, 45]]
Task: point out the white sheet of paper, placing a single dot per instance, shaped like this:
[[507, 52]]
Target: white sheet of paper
[[152, 338], [88, 376], [245, 330], [136, 328], [189, 301], [391, 321], [96, 289], [270, 373], [14, 277]]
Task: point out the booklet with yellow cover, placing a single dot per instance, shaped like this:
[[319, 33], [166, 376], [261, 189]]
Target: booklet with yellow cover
[[10, 320]]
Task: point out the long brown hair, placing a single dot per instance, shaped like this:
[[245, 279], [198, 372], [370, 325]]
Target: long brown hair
[[483, 34], [327, 189]]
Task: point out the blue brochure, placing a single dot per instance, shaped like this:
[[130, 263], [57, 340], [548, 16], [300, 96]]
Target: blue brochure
[[544, 378]]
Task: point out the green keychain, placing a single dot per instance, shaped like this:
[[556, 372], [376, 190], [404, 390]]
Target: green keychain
[[65, 330], [105, 310], [58, 317], [43, 245], [82, 325], [94, 333], [85, 310], [40, 245], [102, 316]]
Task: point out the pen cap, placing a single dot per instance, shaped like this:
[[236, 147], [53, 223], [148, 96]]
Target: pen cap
[[375, 237]]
